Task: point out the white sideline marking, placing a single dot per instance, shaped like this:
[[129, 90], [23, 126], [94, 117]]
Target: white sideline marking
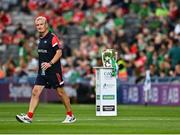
[[100, 119], [97, 134]]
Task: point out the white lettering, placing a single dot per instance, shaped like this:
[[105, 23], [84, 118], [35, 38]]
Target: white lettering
[[23, 90], [133, 95], [173, 95], [42, 51], [153, 95]]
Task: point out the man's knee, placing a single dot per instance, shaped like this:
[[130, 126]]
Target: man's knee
[[35, 92], [61, 91]]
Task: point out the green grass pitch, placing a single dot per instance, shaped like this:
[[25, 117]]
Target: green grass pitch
[[131, 119]]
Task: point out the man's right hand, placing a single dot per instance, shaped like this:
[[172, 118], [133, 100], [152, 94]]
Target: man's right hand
[[45, 65]]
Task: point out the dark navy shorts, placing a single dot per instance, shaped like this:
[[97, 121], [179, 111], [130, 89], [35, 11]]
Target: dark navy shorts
[[50, 81]]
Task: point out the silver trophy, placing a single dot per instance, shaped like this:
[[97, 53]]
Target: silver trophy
[[109, 58]]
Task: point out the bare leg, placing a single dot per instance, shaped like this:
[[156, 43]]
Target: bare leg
[[32, 105], [65, 99], [146, 97], [35, 97]]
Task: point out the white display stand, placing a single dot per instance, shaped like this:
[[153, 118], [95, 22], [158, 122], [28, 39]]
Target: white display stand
[[106, 92]]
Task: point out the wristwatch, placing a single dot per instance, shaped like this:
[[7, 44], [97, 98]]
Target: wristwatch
[[51, 63]]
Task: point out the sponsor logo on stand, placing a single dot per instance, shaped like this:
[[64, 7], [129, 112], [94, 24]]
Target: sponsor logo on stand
[[108, 86], [97, 108], [98, 97], [108, 108], [108, 75], [108, 97]]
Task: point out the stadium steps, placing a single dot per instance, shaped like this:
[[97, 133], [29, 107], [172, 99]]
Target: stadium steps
[[12, 51], [26, 20], [73, 36]]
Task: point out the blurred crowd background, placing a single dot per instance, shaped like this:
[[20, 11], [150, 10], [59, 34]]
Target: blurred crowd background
[[145, 33]]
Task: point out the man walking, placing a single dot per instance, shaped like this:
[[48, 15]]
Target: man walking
[[49, 73]]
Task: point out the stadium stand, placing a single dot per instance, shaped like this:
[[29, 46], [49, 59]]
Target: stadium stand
[[145, 33]]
